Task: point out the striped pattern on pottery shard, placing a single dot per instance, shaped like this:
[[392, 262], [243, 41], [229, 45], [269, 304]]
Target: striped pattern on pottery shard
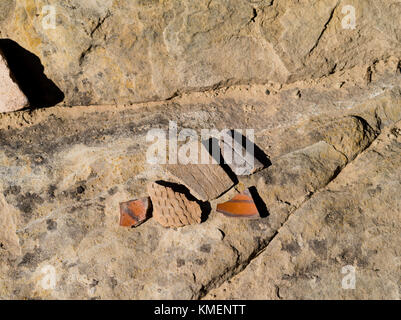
[[173, 209], [11, 96], [241, 206], [134, 212], [241, 160], [205, 181]]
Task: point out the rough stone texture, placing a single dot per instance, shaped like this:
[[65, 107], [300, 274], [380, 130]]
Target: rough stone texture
[[354, 221], [66, 171], [129, 51], [173, 209], [11, 96], [355, 135], [317, 96], [295, 168], [9, 241]]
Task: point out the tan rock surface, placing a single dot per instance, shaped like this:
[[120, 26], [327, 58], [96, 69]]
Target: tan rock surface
[[322, 100], [9, 241], [66, 170], [355, 221], [107, 52]]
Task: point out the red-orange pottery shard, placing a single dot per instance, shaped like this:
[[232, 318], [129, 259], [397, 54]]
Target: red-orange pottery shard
[[241, 206], [134, 212]]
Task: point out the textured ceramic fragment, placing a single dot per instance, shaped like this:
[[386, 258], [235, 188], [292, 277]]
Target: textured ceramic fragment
[[206, 180], [240, 159], [173, 209], [241, 206], [134, 212]]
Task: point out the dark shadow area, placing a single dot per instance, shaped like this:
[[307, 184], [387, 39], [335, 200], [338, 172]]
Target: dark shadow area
[[212, 146], [149, 212], [28, 71], [259, 203], [204, 205]]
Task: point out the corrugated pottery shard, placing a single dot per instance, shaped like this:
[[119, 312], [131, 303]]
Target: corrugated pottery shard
[[11, 96], [241, 206], [206, 180], [134, 212], [173, 209]]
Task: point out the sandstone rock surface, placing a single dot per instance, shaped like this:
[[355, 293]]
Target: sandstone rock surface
[[9, 241], [336, 231], [66, 170], [108, 52], [323, 101]]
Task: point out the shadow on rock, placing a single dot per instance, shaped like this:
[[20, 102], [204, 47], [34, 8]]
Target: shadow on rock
[[259, 203], [29, 74]]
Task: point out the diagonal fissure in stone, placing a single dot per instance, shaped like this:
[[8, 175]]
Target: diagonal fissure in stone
[[242, 265]]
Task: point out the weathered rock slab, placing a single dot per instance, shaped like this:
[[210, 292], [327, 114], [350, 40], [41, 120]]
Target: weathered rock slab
[[348, 231], [66, 170], [107, 52]]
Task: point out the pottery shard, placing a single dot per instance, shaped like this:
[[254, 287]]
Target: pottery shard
[[240, 159], [173, 209], [134, 212], [205, 181], [11, 96], [241, 206]]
